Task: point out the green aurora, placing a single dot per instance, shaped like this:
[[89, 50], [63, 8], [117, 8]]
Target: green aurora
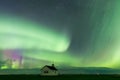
[[24, 34], [52, 46], [105, 42]]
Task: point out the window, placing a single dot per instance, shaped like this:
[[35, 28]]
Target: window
[[45, 71]]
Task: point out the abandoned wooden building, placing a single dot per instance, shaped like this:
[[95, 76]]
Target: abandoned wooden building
[[49, 70]]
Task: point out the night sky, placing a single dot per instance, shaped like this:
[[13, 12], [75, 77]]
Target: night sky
[[68, 33]]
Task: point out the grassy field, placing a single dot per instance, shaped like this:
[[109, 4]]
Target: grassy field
[[34, 74], [62, 77]]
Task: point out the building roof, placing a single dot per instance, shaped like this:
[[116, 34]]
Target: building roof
[[50, 67]]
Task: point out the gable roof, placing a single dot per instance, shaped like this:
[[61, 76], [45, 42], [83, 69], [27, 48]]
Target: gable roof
[[50, 67]]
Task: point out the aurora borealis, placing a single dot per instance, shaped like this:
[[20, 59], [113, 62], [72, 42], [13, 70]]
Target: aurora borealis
[[69, 33], [23, 35]]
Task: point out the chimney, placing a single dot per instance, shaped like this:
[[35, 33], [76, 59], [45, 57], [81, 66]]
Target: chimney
[[52, 65]]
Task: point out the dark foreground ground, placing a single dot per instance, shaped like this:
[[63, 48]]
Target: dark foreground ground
[[34, 74], [60, 77]]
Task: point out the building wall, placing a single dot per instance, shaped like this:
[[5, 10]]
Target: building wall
[[50, 72]]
